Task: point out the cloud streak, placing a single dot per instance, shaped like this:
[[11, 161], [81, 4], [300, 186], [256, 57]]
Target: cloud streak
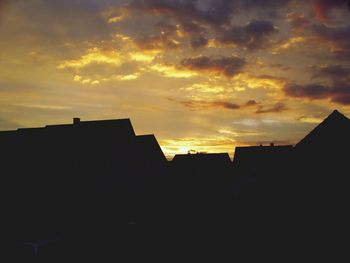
[[277, 108], [226, 66], [339, 93]]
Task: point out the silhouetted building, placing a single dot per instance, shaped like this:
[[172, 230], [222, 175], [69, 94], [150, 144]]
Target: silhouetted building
[[261, 160], [329, 138], [202, 161], [324, 151], [150, 149], [201, 165], [58, 171]]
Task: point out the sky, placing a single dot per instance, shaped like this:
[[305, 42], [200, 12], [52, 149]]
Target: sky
[[202, 75]]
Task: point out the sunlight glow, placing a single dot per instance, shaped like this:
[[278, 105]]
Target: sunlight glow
[[94, 55]]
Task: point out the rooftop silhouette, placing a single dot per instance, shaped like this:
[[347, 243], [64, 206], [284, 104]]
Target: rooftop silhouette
[[332, 133], [86, 181]]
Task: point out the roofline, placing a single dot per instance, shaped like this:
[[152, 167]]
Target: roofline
[[264, 146]]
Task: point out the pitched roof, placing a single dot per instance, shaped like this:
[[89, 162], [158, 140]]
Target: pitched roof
[[149, 147], [332, 132]]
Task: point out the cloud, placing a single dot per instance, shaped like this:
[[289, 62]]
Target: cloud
[[172, 72], [214, 13], [203, 105], [322, 8], [278, 107], [253, 35], [337, 37], [93, 55], [289, 43], [161, 42], [333, 72], [279, 66], [298, 21], [338, 93], [227, 66], [209, 12], [196, 105], [250, 103], [198, 42], [200, 19]]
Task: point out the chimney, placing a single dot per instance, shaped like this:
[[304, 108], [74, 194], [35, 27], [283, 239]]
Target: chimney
[[76, 121]]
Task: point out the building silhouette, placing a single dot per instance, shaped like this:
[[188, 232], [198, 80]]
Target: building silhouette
[[100, 187], [260, 160], [58, 174]]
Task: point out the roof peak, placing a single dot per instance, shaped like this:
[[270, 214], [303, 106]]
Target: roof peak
[[336, 114], [335, 126]]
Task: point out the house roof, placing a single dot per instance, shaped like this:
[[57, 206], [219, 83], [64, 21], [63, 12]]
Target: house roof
[[332, 132], [114, 125], [254, 153], [149, 147]]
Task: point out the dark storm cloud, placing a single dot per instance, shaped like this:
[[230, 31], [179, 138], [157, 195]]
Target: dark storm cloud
[[278, 107], [227, 66], [254, 35], [339, 93], [322, 8]]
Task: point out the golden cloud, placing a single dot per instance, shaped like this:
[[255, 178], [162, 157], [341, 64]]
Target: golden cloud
[[172, 72], [291, 42], [93, 55]]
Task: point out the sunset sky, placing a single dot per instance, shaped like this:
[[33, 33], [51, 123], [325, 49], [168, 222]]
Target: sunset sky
[[203, 75]]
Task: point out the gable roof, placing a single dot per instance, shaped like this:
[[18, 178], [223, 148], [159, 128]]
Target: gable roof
[[334, 131]]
